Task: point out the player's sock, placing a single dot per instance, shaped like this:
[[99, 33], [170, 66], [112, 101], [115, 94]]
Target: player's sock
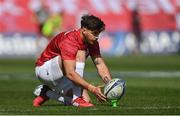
[[53, 95], [77, 90], [60, 98], [80, 68]]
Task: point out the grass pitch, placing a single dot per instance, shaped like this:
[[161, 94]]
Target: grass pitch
[[144, 95]]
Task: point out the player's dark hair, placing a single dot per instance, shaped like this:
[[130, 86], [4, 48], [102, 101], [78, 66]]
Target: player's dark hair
[[92, 23]]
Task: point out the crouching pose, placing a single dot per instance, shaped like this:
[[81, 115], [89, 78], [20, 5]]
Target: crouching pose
[[61, 65]]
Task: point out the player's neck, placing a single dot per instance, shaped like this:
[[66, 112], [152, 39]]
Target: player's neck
[[81, 34]]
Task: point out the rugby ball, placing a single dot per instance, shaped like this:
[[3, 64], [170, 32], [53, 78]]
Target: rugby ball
[[114, 89]]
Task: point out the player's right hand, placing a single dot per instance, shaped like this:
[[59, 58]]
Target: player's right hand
[[97, 91], [101, 97]]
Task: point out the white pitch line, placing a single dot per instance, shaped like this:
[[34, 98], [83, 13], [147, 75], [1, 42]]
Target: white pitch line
[[143, 108], [151, 108], [140, 74], [146, 74]]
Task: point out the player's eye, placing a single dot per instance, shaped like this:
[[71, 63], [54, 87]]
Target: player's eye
[[96, 37]]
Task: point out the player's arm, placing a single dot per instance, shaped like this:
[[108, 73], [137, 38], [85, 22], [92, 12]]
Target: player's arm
[[102, 69], [69, 68]]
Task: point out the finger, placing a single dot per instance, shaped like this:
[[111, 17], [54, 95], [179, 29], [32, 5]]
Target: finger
[[101, 86], [99, 99], [102, 97]]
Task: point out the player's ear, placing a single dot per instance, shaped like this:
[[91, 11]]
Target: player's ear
[[84, 30]]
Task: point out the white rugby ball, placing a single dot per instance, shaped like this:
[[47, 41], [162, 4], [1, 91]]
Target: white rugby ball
[[114, 89]]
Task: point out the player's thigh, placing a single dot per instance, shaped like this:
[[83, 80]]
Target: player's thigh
[[50, 72]]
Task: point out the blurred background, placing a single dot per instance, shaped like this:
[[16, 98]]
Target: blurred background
[[132, 26], [141, 40]]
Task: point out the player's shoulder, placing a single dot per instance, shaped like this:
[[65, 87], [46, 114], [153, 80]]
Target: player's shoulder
[[70, 36], [71, 32]]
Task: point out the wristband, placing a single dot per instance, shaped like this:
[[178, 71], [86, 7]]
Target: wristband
[[91, 88]]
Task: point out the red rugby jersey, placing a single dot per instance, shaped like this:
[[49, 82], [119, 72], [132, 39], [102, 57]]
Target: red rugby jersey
[[66, 44]]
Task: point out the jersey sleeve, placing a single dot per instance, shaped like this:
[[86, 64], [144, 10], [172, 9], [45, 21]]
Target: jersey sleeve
[[68, 50], [94, 50]]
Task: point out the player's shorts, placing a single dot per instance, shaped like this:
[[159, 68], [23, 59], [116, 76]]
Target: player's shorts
[[51, 75]]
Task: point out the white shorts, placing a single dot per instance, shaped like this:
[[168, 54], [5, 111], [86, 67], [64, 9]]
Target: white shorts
[[51, 75]]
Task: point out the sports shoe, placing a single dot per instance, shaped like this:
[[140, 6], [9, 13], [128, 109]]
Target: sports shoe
[[40, 93], [80, 102], [38, 101]]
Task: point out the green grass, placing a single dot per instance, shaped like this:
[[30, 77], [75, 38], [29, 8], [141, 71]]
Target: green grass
[[147, 95], [145, 63], [143, 96], [123, 63]]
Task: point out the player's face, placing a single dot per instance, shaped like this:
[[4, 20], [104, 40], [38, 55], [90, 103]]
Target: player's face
[[91, 36]]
